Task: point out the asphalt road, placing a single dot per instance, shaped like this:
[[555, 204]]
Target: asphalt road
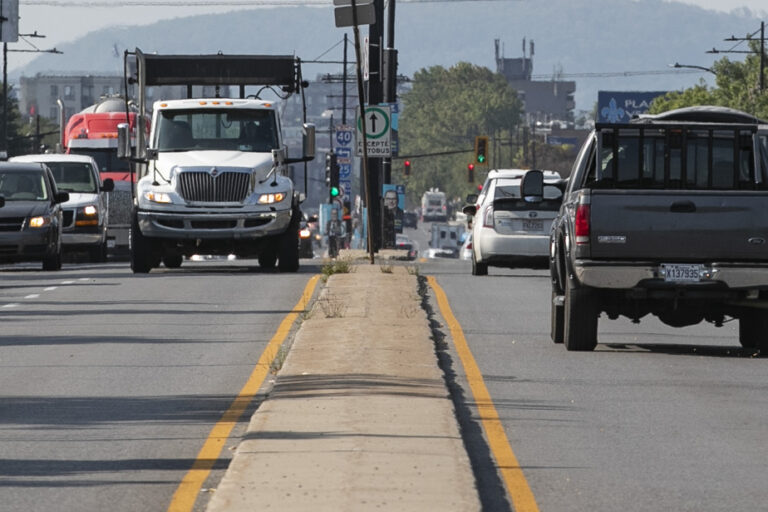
[[111, 382], [657, 418]]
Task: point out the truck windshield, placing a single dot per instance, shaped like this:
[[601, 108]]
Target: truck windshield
[[106, 159], [73, 177], [220, 129]]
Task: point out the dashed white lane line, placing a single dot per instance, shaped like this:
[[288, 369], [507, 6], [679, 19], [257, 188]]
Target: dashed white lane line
[[33, 296], [67, 282], [12, 305], [37, 295], [50, 288]]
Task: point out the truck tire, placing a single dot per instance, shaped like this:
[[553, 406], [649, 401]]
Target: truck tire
[[580, 315], [753, 329], [52, 261], [267, 258], [478, 269], [142, 256], [557, 314], [98, 254], [288, 259], [173, 260]]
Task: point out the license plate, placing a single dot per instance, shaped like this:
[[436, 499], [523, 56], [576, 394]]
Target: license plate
[[533, 225], [677, 272]]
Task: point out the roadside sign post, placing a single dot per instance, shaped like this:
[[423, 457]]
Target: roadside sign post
[[361, 95]]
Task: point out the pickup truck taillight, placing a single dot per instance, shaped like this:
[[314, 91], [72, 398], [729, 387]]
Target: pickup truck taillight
[[581, 224], [488, 217]]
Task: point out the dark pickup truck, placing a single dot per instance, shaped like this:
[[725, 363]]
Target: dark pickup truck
[[665, 215]]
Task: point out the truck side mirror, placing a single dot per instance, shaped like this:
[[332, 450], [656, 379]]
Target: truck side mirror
[[308, 141], [123, 141], [470, 210], [61, 197], [2, 201], [471, 198], [108, 185], [532, 187]]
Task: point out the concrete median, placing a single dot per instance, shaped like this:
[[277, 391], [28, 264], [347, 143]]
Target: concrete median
[[359, 417]]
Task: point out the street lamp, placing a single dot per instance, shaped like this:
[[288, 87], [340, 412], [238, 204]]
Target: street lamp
[[692, 66]]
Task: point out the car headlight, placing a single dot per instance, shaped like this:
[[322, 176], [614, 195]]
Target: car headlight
[[271, 198], [90, 210], [304, 233], [157, 197], [39, 222]]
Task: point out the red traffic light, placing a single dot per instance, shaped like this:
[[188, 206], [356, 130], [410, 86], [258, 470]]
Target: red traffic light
[[407, 167], [471, 167]]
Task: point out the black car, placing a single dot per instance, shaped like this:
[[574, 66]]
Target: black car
[[410, 220], [30, 219]]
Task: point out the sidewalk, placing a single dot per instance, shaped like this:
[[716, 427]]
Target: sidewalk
[[360, 417]]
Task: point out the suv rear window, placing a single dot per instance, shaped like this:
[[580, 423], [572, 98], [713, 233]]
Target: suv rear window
[[678, 158], [507, 197]]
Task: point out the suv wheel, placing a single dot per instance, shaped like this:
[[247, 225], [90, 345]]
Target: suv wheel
[[288, 259], [580, 315], [173, 260], [142, 257], [52, 261], [557, 314]]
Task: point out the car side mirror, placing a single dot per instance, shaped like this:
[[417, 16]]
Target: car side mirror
[[472, 198], [2, 201], [532, 187], [62, 197], [470, 210], [108, 185], [308, 141]]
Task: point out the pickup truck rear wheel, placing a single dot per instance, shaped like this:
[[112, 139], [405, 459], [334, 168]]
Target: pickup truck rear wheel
[[753, 329], [557, 314], [267, 258], [580, 318], [478, 269], [173, 260]]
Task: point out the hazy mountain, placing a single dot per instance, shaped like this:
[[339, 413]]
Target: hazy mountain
[[575, 36]]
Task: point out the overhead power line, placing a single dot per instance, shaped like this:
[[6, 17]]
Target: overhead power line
[[613, 74]]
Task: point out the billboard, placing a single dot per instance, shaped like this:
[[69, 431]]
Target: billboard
[[621, 106]]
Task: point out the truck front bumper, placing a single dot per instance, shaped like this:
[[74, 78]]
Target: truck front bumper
[[213, 226], [626, 275]]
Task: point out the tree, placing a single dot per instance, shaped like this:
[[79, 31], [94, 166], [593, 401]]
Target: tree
[[737, 85], [22, 136], [443, 112]]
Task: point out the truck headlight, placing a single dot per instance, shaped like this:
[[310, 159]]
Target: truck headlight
[[39, 222], [271, 198], [157, 197], [87, 216]]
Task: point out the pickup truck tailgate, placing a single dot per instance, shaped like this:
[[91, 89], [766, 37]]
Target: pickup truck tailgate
[[677, 226]]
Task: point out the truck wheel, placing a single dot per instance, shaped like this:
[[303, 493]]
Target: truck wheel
[[98, 254], [142, 257], [753, 329], [267, 259], [478, 269], [557, 313], [288, 260], [580, 318], [173, 260]]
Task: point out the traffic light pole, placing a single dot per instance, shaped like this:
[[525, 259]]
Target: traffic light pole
[[375, 96]]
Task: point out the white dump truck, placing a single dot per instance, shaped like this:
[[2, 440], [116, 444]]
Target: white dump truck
[[212, 177]]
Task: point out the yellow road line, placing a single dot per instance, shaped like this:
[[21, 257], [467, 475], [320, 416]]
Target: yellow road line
[[517, 486], [186, 494]]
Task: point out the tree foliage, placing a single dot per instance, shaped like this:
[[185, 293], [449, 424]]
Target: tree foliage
[[443, 112], [737, 85]]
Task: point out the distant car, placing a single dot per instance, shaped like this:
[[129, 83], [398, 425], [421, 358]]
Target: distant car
[[410, 220], [31, 219], [85, 215], [404, 243], [307, 236], [508, 231]]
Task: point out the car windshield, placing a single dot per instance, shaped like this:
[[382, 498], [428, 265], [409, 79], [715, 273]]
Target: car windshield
[[227, 130], [106, 159], [23, 186], [73, 177]]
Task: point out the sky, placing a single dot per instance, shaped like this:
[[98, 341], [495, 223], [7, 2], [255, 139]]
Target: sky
[[61, 21]]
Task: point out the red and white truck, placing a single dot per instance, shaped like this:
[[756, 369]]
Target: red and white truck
[[93, 132]]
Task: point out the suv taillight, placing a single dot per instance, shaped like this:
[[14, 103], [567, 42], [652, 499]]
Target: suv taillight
[[582, 224], [488, 217]]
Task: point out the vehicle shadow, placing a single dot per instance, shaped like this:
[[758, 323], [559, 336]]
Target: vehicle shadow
[[678, 349]]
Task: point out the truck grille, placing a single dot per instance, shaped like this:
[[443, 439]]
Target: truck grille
[[11, 223], [120, 204], [226, 187]]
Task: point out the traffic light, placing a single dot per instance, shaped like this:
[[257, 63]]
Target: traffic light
[[332, 176], [481, 149], [407, 168], [470, 173]]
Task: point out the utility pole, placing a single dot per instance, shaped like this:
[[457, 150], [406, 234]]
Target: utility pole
[[750, 37], [344, 85], [375, 96]]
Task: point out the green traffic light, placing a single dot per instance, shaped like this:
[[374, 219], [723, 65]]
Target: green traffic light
[[334, 191], [481, 158]]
